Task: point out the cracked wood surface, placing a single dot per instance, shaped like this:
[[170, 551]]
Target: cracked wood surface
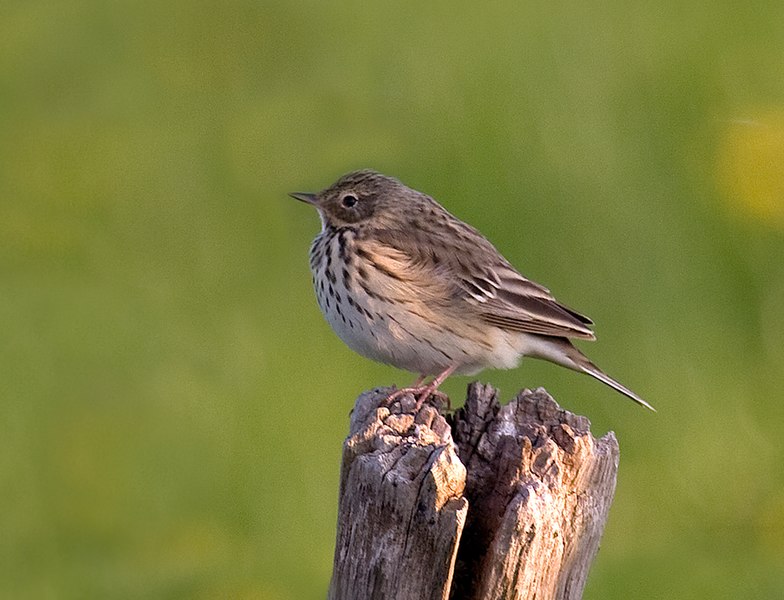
[[539, 487], [522, 519], [402, 507]]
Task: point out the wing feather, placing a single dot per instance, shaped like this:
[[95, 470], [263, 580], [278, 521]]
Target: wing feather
[[468, 268]]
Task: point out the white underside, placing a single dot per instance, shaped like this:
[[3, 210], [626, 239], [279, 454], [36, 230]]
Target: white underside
[[407, 343]]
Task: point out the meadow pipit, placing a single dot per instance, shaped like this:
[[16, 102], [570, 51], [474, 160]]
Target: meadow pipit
[[404, 282]]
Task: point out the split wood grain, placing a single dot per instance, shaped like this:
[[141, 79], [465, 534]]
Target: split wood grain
[[496, 502]]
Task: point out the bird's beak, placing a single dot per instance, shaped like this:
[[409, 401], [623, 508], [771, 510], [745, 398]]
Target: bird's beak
[[304, 197]]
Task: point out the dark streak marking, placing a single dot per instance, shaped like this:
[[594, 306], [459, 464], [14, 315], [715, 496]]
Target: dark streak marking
[[428, 342], [387, 271]]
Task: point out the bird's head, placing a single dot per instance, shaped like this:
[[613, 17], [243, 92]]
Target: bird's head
[[361, 197]]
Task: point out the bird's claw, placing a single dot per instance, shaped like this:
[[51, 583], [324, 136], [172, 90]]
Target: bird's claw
[[421, 394]]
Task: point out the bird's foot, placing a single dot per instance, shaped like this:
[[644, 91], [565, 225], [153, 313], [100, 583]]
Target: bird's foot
[[421, 394]]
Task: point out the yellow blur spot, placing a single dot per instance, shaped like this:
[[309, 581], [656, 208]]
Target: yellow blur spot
[[750, 167]]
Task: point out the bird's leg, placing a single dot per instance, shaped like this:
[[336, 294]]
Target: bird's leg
[[432, 388], [418, 382], [423, 392]]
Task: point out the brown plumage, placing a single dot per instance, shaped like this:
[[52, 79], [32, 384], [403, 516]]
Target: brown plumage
[[404, 282]]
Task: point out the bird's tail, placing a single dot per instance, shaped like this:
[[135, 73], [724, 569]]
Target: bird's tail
[[596, 372], [562, 352]]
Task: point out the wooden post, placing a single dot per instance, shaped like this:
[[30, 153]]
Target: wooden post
[[498, 502]]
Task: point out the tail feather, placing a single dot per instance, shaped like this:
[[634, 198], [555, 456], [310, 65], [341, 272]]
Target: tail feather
[[562, 352], [594, 371]]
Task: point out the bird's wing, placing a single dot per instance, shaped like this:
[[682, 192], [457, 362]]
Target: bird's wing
[[508, 300], [478, 275]]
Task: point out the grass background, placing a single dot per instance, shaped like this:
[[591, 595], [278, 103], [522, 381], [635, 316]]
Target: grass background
[[172, 404]]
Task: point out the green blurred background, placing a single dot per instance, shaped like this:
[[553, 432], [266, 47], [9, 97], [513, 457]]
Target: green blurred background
[[173, 404]]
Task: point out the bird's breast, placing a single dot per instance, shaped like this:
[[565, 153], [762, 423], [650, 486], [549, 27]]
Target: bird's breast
[[385, 315]]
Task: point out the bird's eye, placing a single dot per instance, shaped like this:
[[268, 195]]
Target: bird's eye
[[349, 200]]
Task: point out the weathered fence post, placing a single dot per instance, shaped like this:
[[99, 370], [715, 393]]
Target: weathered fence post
[[500, 502]]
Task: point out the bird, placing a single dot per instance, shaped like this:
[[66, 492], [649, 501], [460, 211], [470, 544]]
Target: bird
[[404, 282]]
